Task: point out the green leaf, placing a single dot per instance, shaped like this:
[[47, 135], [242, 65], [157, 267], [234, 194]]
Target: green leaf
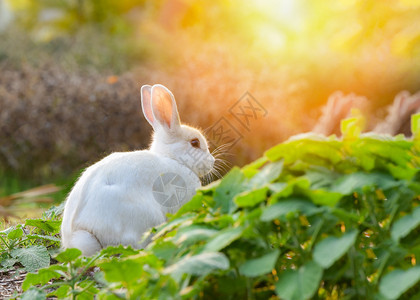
[[252, 169], [32, 258], [295, 185], [68, 255], [89, 290], [8, 262], [350, 183], [351, 127], [231, 185], [395, 283], [43, 237], [117, 270], [322, 197], [286, 206], [164, 250], [405, 225], [62, 292], [47, 225], [194, 204], [331, 249], [166, 227], [200, 264], [268, 174], [41, 277], [120, 250], [261, 265], [194, 234], [251, 198], [15, 234], [34, 294], [223, 239], [299, 284]]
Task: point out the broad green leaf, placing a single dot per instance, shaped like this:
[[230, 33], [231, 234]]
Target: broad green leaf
[[193, 234], [164, 250], [268, 174], [278, 152], [345, 215], [68, 255], [253, 168], [47, 225], [406, 224], [251, 198], [194, 204], [89, 291], [223, 239], [348, 184], [15, 234], [117, 270], [231, 185], [299, 284], [166, 227], [61, 293], [321, 177], [8, 262], [200, 264], [286, 206], [41, 277], [322, 197], [33, 257], [43, 237], [329, 250], [122, 251], [395, 283], [296, 185], [261, 265], [34, 294], [401, 172]]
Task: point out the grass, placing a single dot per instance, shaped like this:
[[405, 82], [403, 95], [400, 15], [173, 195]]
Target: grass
[[21, 199]]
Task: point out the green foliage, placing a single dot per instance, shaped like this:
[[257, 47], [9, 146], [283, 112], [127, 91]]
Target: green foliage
[[27, 245], [301, 283], [313, 219]]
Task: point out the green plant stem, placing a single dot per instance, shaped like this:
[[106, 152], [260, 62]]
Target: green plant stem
[[366, 198], [382, 266], [88, 265], [315, 235], [86, 288], [392, 216], [7, 245], [60, 283], [354, 267]]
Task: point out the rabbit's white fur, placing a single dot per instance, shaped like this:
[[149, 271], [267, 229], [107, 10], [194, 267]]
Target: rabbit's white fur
[[113, 203]]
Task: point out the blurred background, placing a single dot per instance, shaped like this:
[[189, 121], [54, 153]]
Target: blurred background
[[71, 71]]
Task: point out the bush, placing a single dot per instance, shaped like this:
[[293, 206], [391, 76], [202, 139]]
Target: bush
[[314, 218], [54, 121]]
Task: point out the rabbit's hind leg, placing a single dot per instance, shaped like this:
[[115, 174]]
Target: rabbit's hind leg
[[86, 242]]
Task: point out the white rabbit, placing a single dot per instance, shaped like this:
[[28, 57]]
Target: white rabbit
[[120, 197]]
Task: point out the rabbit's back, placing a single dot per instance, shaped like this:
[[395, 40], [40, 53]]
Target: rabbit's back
[[115, 201]]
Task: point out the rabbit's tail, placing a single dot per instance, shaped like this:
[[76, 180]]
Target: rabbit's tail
[[85, 241]]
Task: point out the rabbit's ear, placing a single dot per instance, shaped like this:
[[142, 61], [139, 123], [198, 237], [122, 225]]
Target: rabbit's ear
[[146, 103], [164, 108]]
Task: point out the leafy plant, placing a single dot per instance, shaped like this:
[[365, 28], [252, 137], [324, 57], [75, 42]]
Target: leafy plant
[[314, 218], [28, 245]]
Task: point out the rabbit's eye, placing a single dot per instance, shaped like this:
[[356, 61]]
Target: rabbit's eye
[[195, 143]]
